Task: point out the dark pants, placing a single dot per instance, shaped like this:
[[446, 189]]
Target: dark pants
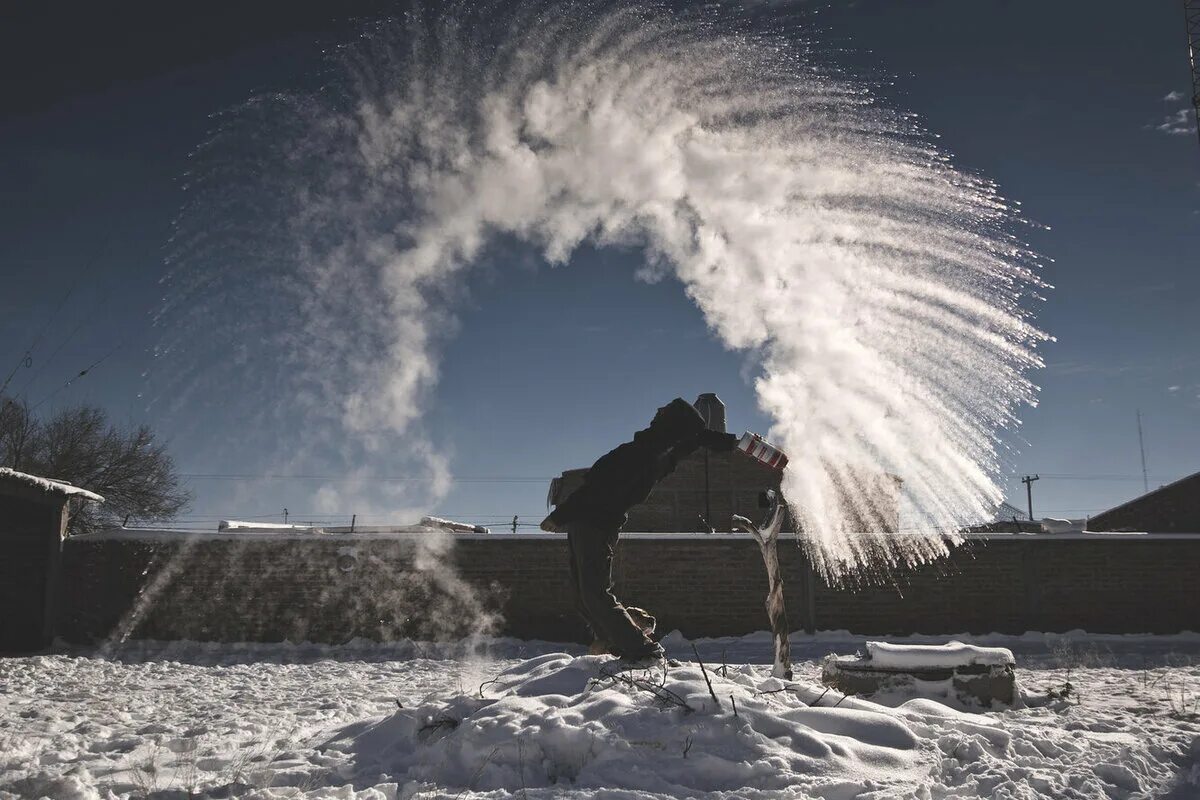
[[592, 548]]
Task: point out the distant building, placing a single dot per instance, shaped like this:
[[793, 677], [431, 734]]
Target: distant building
[[707, 489], [1174, 508], [1008, 519]]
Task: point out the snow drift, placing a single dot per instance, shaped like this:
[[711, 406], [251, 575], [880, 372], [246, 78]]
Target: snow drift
[[574, 722]]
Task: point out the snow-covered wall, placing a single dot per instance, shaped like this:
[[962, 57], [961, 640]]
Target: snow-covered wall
[[333, 588]]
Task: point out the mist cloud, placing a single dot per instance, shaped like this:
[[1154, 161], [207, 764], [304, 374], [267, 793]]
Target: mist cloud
[[881, 290]]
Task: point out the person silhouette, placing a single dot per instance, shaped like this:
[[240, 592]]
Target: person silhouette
[[593, 514]]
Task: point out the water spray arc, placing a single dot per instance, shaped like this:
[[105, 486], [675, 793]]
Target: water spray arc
[[881, 291]]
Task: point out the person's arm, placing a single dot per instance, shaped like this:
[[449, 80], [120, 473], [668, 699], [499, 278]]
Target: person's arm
[[556, 521], [584, 499], [710, 439]]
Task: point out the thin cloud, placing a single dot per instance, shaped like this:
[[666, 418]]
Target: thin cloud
[[1138, 368], [1177, 124], [1180, 122], [1088, 368]]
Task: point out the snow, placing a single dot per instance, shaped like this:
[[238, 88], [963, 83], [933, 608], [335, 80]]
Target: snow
[[1054, 525], [501, 718], [253, 530], [49, 485], [451, 525], [239, 525], [561, 718], [269, 531], [887, 655]]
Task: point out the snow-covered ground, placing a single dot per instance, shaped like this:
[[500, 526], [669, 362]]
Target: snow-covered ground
[[535, 719]]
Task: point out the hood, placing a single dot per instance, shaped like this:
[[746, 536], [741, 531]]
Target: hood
[[675, 422]]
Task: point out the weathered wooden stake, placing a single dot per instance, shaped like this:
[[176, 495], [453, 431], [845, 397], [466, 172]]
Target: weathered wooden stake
[[767, 538]]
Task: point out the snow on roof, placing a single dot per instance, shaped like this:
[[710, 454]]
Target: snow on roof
[[427, 524], [1053, 525], [451, 525], [49, 485], [239, 525], [273, 532]]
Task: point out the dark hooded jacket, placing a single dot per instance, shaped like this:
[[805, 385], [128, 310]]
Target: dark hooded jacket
[[624, 477]]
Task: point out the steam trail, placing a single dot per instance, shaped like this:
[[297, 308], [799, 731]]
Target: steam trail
[[880, 288]]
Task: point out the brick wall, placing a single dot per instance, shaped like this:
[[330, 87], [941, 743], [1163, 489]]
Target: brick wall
[[331, 588], [253, 588]]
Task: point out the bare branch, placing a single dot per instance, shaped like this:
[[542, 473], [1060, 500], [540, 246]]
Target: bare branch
[[133, 472], [705, 673]]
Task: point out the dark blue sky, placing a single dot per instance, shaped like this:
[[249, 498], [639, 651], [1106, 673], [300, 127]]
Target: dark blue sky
[[1063, 109]]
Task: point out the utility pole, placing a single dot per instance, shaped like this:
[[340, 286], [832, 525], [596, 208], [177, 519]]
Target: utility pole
[[1142, 447], [1191, 13], [1028, 481]]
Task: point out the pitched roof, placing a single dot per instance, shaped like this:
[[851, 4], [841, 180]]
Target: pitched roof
[[1097, 521], [48, 485]]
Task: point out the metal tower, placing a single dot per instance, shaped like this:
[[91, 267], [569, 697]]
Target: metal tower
[[1191, 12]]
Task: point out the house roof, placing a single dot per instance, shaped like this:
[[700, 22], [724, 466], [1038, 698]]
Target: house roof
[[48, 485], [1097, 519]]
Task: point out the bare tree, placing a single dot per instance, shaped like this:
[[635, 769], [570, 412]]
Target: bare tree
[[133, 471], [17, 432]]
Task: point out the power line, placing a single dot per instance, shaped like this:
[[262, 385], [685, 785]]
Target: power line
[[27, 357], [1097, 477], [50, 358], [90, 316], [345, 479], [85, 370], [1062, 476], [326, 516]]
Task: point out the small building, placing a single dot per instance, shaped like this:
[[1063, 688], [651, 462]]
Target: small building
[[1174, 508], [33, 523], [1008, 519], [707, 489]]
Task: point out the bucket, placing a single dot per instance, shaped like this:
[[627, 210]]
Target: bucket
[[761, 450]]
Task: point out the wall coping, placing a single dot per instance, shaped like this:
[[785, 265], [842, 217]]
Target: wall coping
[[169, 534]]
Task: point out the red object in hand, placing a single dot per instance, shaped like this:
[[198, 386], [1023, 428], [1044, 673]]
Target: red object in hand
[[760, 449]]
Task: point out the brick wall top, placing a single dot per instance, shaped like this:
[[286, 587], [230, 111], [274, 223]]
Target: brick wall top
[[169, 535]]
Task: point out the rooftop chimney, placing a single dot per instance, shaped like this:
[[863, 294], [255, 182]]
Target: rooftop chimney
[[713, 411]]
